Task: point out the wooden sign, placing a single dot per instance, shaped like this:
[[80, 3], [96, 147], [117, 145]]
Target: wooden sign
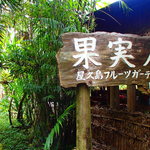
[[104, 59]]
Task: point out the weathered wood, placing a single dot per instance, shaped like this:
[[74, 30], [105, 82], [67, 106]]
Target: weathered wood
[[131, 97], [105, 53], [83, 118], [120, 129], [114, 97]]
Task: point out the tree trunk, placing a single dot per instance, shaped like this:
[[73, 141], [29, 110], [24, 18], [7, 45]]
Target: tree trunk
[[20, 111], [9, 111]]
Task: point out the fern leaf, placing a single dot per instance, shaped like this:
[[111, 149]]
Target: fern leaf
[[56, 129]]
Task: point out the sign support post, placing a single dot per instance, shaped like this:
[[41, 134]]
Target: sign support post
[[83, 118], [114, 97], [131, 97]]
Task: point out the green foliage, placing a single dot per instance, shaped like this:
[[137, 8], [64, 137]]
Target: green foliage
[[4, 5], [29, 48], [1, 31], [11, 138], [55, 131], [12, 4], [4, 104], [124, 6]]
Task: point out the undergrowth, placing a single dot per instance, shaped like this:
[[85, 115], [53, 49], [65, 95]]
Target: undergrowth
[[13, 138]]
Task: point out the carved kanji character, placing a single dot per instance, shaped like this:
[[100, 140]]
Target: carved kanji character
[[98, 75], [80, 75], [121, 52], [87, 46]]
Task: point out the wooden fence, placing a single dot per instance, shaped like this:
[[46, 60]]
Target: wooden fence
[[121, 130]]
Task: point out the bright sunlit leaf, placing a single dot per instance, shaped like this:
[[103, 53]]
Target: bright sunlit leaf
[[103, 3]]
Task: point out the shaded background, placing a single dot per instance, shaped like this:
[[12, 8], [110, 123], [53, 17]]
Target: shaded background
[[135, 20]]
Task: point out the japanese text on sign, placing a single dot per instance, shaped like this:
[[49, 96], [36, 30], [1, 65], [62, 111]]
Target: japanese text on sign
[[88, 45], [104, 59]]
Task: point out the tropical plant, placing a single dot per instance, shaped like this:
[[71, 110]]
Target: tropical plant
[[12, 4], [55, 131], [29, 46], [4, 6]]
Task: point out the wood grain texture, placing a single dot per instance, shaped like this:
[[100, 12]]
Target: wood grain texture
[[83, 118], [131, 98], [114, 97], [140, 51]]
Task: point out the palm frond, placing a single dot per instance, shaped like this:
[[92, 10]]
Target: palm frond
[[2, 29], [12, 4], [124, 6], [56, 129]]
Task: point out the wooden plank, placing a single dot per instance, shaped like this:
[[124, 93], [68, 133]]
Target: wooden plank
[[83, 118], [114, 97], [120, 119], [131, 97], [105, 65]]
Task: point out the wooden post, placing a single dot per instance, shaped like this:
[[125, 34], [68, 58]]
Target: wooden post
[[108, 96], [114, 97], [83, 118], [131, 97]]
